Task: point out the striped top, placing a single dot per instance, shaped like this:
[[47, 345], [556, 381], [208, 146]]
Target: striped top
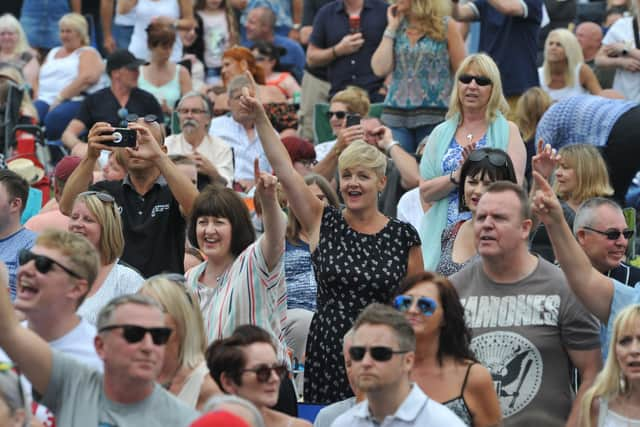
[[247, 293]]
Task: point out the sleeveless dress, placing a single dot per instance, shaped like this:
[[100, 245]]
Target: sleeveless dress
[[458, 406], [353, 270], [608, 418], [567, 91], [169, 92]]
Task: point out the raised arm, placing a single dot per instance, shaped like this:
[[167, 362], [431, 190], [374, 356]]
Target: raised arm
[[106, 19], [510, 7], [26, 349], [594, 290], [455, 45], [463, 13], [405, 162], [273, 219], [382, 59]]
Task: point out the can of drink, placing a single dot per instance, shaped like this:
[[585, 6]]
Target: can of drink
[[354, 23]]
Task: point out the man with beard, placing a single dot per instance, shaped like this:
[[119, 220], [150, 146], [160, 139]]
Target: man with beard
[[212, 156]]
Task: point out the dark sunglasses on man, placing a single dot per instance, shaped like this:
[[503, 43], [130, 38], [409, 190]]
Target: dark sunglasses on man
[[612, 234], [134, 333], [378, 353], [43, 263]]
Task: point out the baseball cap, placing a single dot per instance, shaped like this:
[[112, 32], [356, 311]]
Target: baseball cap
[[65, 167], [121, 58]]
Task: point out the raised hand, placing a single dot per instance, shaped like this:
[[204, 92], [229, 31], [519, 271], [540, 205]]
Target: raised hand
[[249, 101], [394, 18], [466, 151], [266, 183], [347, 135], [545, 204], [546, 160], [148, 148], [99, 133]]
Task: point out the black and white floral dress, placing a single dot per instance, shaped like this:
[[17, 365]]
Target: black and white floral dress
[[353, 270]]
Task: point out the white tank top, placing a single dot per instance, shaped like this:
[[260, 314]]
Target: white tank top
[[567, 91], [58, 73], [608, 418], [146, 10], [191, 389]]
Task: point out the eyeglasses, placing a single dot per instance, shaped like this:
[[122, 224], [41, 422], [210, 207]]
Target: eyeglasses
[[339, 114], [263, 372], [43, 263], [496, 158], [134, 333], [194, 111], [480, 80], [427, 306], [612, 234], [102, 196], [378, 353]]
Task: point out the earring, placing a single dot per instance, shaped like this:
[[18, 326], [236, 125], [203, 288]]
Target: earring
[[623, 384]]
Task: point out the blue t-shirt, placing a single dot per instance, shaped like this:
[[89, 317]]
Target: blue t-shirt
[[623, 296], [331, 24], [294, 59], [512, 42], [9, 249]]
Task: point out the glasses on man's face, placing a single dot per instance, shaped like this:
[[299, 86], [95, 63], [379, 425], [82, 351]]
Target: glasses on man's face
[[263, 372], [480, 80], [43, 263], [194, 111], [102, 196], [426, 305], [339, 114], [378, 353], [496, 158], [612, 234], [134, 333]]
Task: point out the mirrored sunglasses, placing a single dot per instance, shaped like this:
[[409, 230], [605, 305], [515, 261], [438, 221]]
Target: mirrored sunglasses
[[426, 305]]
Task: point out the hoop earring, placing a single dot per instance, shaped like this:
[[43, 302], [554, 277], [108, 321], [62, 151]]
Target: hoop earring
[[624, 386]]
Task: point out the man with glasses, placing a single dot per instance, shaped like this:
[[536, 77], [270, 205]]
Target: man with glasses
[[131, 338], [528, 327], [212, 156], [117, 104], [602, 232], [382, 356]]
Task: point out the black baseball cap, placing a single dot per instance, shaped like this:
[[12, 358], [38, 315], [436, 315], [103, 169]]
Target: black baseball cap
[[121, 58]]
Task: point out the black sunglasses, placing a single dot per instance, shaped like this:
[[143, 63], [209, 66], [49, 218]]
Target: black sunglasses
[[134, 333], [378, 353], [612, 234], [263, 372], [426, 305], [496, 158], [480, 80], [102, 196], [339, 114], [43, 263]]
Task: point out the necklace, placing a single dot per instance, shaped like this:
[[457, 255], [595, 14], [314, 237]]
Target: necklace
[[469, 137]]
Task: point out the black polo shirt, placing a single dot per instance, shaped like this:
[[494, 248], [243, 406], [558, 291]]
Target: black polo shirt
[[331, 24], [153, 226], [102, 106], [627, 274]]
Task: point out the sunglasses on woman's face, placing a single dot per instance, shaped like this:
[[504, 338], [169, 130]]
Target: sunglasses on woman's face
[[378, 353], [480, 80], [134, 333], [496, 158], [263, 372], [426, 305], [339, 114]]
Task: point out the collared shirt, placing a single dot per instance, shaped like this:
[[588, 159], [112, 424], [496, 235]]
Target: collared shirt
[[153, 226], [244, 150], [331, 24], [211, 147], [416, 410], [626, 274]]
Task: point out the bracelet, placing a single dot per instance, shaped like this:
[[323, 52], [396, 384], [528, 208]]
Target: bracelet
[[389, 147], [452, 179], [389, 34], [333, 50]]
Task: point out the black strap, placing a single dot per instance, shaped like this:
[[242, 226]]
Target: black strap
[[635, 32]]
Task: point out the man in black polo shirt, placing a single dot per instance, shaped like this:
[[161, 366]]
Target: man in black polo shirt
[[152, 198], [113, 104], [347, 49]]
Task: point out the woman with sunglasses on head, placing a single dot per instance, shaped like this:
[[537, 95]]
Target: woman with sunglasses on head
[[445, 367], [184, 371], [481, 168], [95, 216], [246, 364], [475, 119]]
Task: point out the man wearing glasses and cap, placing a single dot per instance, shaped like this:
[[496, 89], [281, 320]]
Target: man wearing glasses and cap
[[117, 104], [130, 341], [382, 356]]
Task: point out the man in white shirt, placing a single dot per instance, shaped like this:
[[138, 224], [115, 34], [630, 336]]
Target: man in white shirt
[[383, 353], [239, 132], [212, 156]]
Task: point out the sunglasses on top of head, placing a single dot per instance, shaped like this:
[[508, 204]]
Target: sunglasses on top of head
[[378, 353], [43, 263], [426, 305], [263, 372], [480, 80], [134, 333], [496, 158]]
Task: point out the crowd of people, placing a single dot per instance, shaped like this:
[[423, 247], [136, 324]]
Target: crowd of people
[[244, 206]]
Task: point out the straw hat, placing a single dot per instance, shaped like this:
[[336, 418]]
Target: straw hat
[[26, 169]]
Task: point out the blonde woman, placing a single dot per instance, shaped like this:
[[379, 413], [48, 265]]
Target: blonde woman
[[564, 73], [15, 49], [421, 49], [612, 400]]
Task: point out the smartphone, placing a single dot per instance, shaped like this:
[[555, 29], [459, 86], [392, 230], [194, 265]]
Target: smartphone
[[353, 120], [354, 23], [122, 137]]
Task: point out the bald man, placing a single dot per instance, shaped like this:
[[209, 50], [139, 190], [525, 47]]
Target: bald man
[[589, 35]]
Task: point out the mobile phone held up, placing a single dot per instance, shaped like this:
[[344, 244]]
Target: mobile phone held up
[[122, 137], [353, 120], [354, 23]]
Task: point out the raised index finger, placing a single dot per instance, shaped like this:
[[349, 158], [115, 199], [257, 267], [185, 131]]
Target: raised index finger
[[541, 182]]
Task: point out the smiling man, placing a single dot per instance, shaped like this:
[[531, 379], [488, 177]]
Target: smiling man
[[528, 327]]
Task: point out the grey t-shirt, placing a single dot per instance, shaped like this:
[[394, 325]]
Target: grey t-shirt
[[328, 414], [521, 332], [75, 395]]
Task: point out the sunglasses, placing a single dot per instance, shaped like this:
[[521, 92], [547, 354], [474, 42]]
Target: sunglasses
[[263, 372], [102, 196], [612, 234], [426, 305], [43, 263], [480, 80], [378, 353], [134, 333], [496, 158], [339, 114], [126, 117]]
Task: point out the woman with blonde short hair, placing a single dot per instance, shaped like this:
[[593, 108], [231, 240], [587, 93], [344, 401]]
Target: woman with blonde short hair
[[15, 49]]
